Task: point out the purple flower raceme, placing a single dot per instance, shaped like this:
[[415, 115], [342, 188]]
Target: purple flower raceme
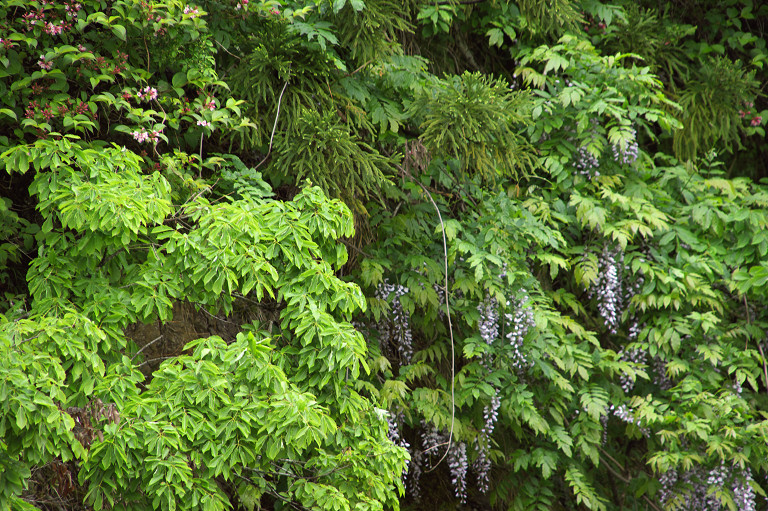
[[457, 462], [628, 155], [636, 356], [612, 293], [518, 323], [587, 163], [488, 324], [697, 489], [482, 464], [393, 433], [397, 328]]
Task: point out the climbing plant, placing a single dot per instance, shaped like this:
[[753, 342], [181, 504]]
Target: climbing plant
[[364, 254]]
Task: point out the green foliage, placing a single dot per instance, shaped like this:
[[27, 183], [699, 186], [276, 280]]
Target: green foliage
[[124, 238], [324, 151], [710, 103], [477, 120], [548, 17], [556, 274]]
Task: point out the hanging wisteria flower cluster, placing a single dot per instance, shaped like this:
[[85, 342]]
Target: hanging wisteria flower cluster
[[611, 291], [636, 356], [482, 464], [433, 444], [743, 494], [625, 414], [518, 323], [586, 163], [431, 441], [397, 328], [660, 377], [440, 291], [488, 324], [629, 154], [692, 493], [393, 433], [457, 462], [607, 289]]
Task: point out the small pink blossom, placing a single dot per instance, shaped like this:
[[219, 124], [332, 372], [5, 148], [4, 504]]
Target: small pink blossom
[[44, 64], [148, 93], [756, 120], [72, 9], [192, 11], [52, 29], [140, 136]]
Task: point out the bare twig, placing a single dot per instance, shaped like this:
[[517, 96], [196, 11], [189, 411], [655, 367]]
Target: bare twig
[[350, 245], [145, 347], [146, 362], [274, 126], [226, 50], [623, 478], [448, 314], [360, 68]]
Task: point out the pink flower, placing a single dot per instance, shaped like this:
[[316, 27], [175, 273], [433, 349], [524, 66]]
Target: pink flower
[[203, 123], [140, 136], [756, 120], [43, 63], [193, 12], [148, 93], [53, 29]]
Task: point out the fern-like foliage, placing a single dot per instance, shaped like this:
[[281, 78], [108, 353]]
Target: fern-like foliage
[[277, 56], [711, 106], [370, 30], [659, 44], [548, 17], [475, 119], [324, 151]]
